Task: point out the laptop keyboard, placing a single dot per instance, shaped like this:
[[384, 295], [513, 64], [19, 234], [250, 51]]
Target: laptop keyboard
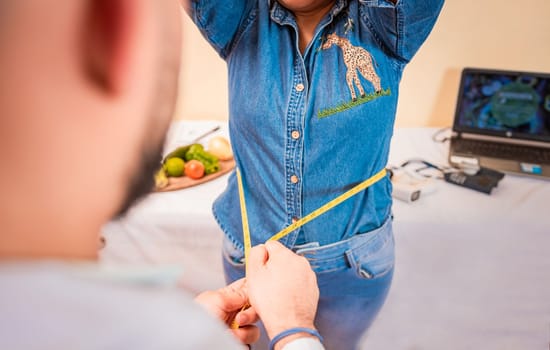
[[504, 151]]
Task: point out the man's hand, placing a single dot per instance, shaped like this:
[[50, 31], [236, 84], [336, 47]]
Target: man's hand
[[282, 288], [226, 304]]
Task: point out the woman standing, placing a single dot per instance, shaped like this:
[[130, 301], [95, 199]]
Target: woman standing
[[313, 88]]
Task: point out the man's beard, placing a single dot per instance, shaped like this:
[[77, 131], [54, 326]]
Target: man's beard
[[163, 105], [142, 182]]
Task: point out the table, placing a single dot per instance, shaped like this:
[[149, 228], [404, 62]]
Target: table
[[174, 228], [472, 270]]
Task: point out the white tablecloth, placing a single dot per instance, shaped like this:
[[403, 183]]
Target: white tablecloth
[[472, 270]]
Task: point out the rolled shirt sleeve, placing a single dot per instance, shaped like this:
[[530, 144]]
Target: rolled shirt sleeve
[[401, 27], [222, 22]]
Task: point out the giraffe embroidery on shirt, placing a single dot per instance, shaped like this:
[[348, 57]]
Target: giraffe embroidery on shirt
[[356, 59]]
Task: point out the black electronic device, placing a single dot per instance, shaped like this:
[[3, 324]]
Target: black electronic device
[[485, 180]]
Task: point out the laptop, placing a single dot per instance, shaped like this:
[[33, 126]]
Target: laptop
[[502, 122]]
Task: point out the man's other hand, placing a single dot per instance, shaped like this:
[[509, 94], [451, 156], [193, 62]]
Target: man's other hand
[[226, 304]]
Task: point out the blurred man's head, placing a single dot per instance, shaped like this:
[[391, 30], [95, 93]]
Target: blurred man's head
[[87, 90]]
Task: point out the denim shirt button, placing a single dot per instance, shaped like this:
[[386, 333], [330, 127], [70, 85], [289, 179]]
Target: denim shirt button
[[295, 134], [294, 220], [294, 179], [300, 87]]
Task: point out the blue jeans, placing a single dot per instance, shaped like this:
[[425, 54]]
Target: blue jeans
[[354, 278]]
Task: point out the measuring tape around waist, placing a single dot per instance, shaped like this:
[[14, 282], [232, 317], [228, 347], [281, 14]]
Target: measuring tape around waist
[[304, 220], [299, 223]]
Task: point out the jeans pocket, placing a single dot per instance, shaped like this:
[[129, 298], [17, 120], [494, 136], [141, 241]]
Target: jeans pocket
[[375, 258], [232, 254]]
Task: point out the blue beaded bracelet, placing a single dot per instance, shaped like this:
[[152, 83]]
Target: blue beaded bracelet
[[293, 331]]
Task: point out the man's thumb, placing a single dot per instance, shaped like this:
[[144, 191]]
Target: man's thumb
[[256, 257], [275, 247]]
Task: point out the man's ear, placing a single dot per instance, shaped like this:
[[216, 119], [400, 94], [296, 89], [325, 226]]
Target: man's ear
[[109, 38]]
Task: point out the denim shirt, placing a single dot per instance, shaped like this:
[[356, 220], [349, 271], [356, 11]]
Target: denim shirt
[[307, 127]]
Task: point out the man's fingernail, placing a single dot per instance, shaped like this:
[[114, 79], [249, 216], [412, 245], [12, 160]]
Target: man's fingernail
[[241, 319]]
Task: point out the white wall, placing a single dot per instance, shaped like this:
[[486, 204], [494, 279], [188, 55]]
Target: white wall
[[203, 78], [503, 34]]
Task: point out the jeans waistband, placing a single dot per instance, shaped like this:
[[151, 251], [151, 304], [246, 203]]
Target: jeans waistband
[[336, 256]]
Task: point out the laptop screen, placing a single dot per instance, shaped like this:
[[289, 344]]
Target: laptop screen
[[504, 103]]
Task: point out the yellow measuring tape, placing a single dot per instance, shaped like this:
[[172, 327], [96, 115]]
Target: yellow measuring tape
[[299, 223]]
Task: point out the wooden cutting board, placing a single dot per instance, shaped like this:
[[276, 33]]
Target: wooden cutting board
[[178, 183]]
